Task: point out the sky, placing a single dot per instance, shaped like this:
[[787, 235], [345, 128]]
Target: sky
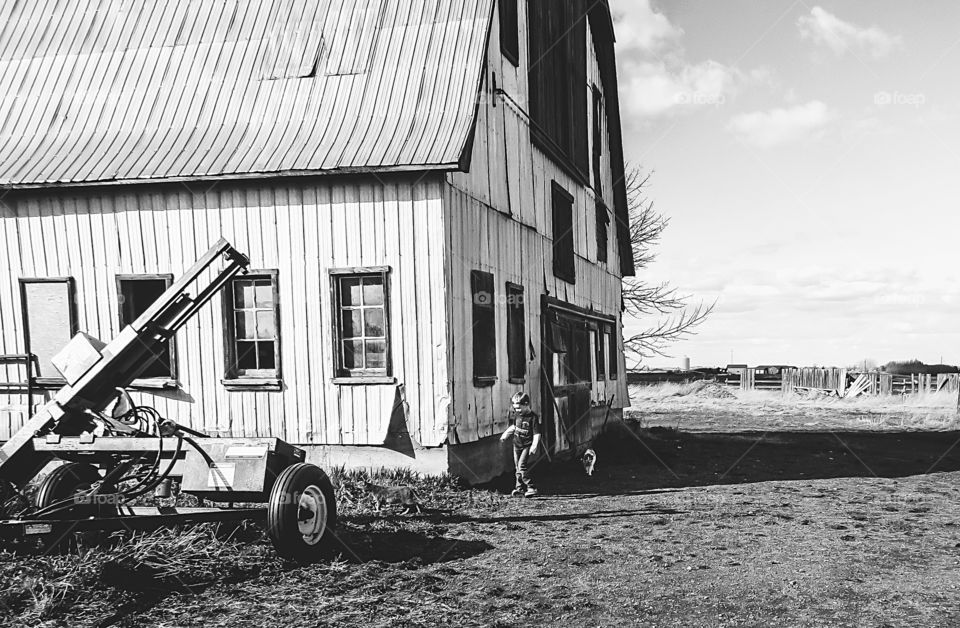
[[807, 156]]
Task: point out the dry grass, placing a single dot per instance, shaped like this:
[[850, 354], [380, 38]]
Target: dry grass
[[106, 577], [693, 404]]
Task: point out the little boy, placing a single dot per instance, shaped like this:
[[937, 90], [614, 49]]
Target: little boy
[[525, 429]]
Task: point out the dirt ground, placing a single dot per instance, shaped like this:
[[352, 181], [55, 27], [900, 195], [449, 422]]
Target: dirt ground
[[696, 516]]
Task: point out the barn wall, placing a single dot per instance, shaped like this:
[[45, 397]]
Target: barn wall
[[498, 219], [300, 227]]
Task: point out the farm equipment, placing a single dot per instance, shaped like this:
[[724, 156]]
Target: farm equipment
[[116, 453]]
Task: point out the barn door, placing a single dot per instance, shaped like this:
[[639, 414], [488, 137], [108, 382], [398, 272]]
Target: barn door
[[566, 379]]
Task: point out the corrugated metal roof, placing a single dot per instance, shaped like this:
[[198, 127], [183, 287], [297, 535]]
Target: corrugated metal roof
[[101, 90]]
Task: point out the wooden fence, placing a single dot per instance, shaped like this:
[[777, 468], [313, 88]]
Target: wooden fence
[[838, 380]]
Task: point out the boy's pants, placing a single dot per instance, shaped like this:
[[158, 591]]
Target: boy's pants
[[521, 458]]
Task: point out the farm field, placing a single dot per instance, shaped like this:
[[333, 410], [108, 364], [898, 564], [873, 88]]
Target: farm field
[[708, 511]]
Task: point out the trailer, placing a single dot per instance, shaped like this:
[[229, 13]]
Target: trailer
[[115, 453]]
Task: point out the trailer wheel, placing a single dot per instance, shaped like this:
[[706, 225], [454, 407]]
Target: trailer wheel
[[66, 481], [302, 512]]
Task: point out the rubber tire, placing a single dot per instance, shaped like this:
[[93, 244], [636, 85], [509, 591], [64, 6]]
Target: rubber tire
[[283, 507], [65, 481]]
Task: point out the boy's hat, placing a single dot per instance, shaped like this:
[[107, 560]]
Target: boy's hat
[[520, 398]]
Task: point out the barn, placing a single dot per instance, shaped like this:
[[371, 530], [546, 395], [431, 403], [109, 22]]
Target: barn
[[431, 194]]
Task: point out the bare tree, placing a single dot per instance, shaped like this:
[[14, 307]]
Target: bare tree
[[675, 318]]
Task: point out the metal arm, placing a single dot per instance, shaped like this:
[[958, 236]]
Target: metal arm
[[118, 363]]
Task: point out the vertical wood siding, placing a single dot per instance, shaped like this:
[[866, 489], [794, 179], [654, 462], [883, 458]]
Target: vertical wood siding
[[301, 228], [497, 218]]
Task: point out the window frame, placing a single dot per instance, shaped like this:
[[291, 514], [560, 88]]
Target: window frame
[[600, 352], [342, 375], [164, 381], [516, 362], [603, 232], [509, 15], [483, 378], [233, 380], [613, 354], [564, 246], [48, 382]]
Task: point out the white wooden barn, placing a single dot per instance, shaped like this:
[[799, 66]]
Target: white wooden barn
[[430, 191]]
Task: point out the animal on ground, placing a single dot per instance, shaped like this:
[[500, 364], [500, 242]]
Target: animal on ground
[[402, 495], [589, 460]]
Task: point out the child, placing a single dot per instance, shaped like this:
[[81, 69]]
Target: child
[[525, 429]]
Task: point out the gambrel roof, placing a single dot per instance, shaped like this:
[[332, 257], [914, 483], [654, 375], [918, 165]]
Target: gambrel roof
[[140, 90]]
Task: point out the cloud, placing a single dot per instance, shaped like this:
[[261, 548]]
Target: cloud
[[654, 88], [825, 29], [640, 28], [781, 126], [656, 78]]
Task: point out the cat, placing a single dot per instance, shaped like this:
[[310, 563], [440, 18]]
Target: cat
[[403, 495], [589, 460]]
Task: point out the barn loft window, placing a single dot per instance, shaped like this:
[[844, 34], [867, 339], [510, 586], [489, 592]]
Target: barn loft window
[[252, 312], [557, 79], [596, 137], [49, 322], [509, 31], [484, 328], [136, 293], [563, 258], [362, 329], [516, 335], [603, 224]]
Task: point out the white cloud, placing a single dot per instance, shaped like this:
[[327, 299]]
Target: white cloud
[[781, 126], [826, 29], [653, 88], [656, 79], [641, 29]]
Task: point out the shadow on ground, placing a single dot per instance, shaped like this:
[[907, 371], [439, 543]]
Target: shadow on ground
[[632, 461], [361, 545]]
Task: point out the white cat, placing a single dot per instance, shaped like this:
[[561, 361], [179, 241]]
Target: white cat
[[589, 460]]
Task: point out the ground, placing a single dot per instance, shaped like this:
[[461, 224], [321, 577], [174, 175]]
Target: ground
[[703, 511]]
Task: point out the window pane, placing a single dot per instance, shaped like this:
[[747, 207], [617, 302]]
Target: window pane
[[265, 325], [242, 294], [353, 354], [373, 291], [246, 355], [350, 291], [373, 319], [245, 326], [264, 294], [351, 323], [376, 354], [265, 355]]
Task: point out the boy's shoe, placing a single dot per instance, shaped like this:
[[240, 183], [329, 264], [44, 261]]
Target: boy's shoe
[[531, 492], [517, 492]]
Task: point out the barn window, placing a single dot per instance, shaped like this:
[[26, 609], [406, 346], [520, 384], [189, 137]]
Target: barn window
[[516, 334], [597, 140], [603, 222], [484, 328], [252, 312], [136, 293], [613, 355], [509, 31], [558, 82], [563, 258], [362, 325], [598, 342], [49, 322]]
